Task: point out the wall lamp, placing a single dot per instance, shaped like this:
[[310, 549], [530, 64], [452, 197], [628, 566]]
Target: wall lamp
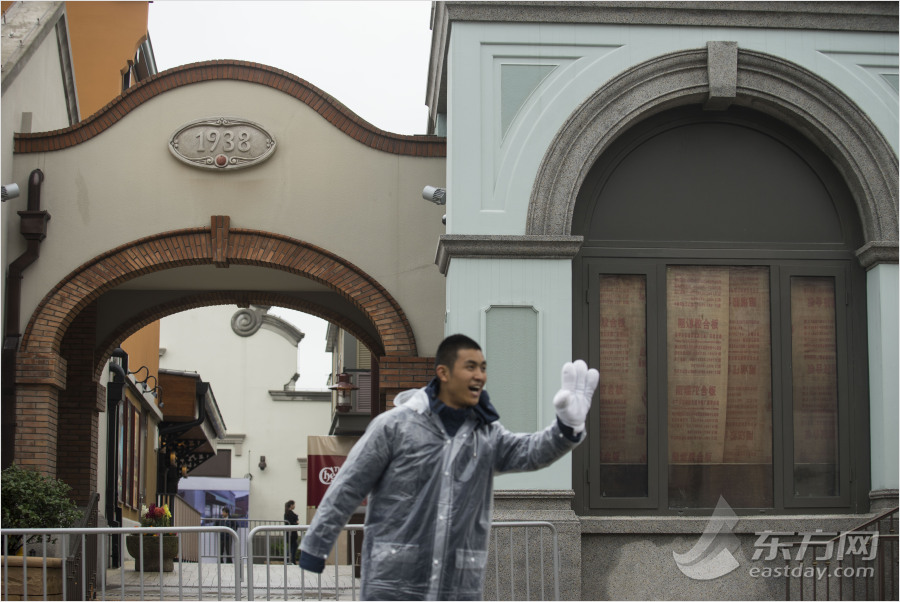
[[344, 387], [262, 463]]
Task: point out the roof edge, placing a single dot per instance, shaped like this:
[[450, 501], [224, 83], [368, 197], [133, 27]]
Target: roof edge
[[321, 102]]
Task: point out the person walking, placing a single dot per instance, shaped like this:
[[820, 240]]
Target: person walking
[[291, 518], [427, 467], [225, 540]]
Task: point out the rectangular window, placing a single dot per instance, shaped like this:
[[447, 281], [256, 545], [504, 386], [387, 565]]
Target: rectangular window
[[622, 392], [815, 390], [719, 386], [718, 380]]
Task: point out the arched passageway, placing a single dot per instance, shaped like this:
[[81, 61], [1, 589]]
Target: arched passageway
[[61, 357]]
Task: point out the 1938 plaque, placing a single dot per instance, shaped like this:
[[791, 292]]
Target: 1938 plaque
[[222, 143]]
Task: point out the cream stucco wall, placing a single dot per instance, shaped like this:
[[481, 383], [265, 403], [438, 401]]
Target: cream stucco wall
[[37, 88], [320, 186]]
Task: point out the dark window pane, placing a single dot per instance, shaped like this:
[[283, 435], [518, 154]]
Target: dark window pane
[[719, 386], [623, 386], [815, 398]]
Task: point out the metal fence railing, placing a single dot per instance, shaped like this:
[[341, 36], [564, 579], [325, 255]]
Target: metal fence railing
[[860, 564], [523, 564]]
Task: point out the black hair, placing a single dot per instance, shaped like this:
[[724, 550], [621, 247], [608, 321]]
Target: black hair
[[288, 504], [449, 348]]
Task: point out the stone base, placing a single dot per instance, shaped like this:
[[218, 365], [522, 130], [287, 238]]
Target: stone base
[[35, 586], [882, 500]]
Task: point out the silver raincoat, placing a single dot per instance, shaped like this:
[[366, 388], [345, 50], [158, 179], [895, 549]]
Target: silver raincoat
[[430, 499]]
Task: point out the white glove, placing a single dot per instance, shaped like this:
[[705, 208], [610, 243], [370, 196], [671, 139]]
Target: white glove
[[573, 400]]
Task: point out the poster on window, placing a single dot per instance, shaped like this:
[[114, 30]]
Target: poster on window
[[326, 455], [698, 330], [814, 359], [748, 423], [623, 370]]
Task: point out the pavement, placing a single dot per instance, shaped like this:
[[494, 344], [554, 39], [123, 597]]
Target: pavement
[[215, 581]]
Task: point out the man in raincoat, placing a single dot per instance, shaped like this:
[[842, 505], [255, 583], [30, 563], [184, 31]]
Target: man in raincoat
[[427, 467]]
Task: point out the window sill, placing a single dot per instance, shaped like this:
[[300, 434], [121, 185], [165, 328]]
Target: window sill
[[680, 525]]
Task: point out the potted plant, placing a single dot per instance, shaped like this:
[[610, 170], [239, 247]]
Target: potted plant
[[31, 500], [146, 548]]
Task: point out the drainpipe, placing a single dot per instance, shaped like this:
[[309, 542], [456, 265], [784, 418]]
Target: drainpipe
[[33, 226], [115, 393]]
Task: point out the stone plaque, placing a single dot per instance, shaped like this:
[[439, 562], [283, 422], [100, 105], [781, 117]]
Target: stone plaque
[[222, 143]]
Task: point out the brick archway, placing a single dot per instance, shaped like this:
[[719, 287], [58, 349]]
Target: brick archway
[[41, 367]]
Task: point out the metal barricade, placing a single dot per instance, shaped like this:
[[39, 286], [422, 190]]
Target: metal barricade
[[523, 564], [132, 580]]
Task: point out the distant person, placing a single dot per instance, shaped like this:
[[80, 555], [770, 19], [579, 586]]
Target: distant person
[[428, 468], [225, 538], [291, 518]]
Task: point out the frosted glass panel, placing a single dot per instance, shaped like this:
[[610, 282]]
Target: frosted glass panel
[[511, 348]]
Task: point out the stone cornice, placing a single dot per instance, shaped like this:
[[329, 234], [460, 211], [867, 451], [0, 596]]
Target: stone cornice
[[281, 395], [877, 252], [504, 246], [837, 16]]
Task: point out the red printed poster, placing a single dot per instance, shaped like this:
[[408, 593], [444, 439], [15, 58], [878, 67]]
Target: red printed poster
[[325, 456], [623, 370], [814, 357], [698, 332], [748, 425]]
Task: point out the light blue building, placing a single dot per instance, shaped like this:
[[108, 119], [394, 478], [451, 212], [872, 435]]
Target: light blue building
[[699, 198]]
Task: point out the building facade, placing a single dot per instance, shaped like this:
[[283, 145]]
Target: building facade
[[701, 200], [250, 358]]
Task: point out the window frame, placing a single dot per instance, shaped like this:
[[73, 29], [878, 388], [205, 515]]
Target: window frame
[[598, 259]]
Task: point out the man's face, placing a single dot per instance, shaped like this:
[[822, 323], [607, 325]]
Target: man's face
[[461, 387]]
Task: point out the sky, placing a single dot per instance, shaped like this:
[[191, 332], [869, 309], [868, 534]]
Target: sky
[[371, 56]]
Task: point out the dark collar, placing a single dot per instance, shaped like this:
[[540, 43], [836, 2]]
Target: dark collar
[[483, 411]]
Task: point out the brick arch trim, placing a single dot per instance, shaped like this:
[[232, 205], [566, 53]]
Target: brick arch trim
[[221, 246], [243, 298], [324, 104]]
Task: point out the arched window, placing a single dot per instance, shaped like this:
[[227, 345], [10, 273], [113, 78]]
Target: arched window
[[718, 293]]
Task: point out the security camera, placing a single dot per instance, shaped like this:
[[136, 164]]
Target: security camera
[[438, 196], [10, 191]]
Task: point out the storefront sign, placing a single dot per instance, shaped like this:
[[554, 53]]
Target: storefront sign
[[326, 455]]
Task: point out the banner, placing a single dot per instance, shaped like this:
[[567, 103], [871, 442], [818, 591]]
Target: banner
[[623, 370], [748, 425], [325, 456], [814, 360], [698, 335]]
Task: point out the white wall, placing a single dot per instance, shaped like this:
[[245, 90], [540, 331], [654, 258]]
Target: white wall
[[241, 371], [882, 289], [539, 293]]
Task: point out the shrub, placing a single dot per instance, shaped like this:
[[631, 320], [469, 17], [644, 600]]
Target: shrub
[[32, 501]]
